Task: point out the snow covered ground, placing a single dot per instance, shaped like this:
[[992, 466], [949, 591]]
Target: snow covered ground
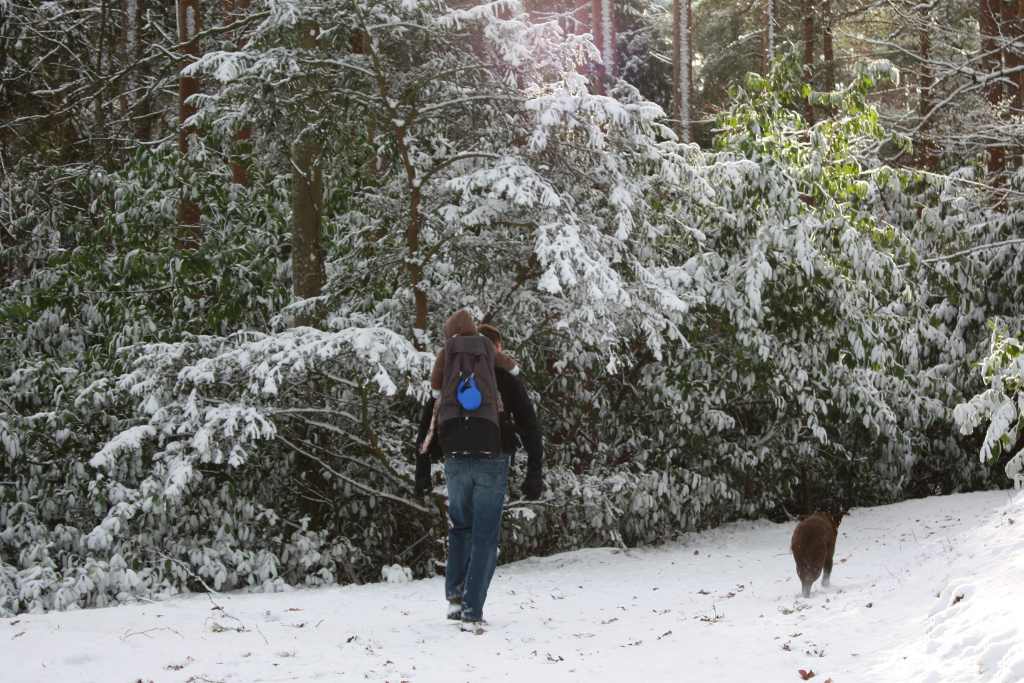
[[926, 590]]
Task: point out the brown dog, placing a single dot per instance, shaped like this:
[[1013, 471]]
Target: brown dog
[[813, 545]]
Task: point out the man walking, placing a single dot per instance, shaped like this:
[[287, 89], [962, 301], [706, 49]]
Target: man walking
[[519, 426], [476, 471]]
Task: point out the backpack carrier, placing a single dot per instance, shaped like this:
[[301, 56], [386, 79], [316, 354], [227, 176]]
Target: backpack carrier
[[466, 416]]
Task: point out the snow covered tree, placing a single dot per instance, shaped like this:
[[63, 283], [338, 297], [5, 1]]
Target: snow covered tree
[[1001, 404]]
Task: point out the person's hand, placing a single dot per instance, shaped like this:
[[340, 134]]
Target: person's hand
[[533, 487]]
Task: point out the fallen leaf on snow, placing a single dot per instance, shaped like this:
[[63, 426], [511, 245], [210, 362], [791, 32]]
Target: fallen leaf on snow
[[179, 667]]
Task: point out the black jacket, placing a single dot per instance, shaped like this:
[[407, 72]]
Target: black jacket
[[519, 427]]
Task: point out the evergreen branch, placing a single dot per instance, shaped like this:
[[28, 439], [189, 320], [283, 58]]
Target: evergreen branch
[[974, 249], [369, 490]]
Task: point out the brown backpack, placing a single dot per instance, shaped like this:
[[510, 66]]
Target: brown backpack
[[465, 357]]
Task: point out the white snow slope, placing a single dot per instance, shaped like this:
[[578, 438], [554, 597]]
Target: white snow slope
[[926, 590]]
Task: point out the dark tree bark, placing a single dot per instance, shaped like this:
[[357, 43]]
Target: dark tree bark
[[307, 204], [1013, 34], [233, 11], [189, 25], [827, 47], [991, 60], [105, 54], [926, 153], [138, 98], [359, 43]]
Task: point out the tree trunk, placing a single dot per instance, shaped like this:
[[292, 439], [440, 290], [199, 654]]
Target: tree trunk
[[826, 46], [770, 19], [412, 237], [100, 138], [603, 20], [414, 259], [808, 8], [233, 11], [682, 68], [991, 60], [1013, 33], [308, 270], [140, 104], [360, 45], [307, 204], [189, 25], [925, 146]]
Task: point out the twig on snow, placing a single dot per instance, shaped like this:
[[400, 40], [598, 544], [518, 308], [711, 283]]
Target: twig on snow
[[129, 633]]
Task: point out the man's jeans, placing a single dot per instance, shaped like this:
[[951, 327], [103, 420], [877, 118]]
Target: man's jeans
[[476, 496]]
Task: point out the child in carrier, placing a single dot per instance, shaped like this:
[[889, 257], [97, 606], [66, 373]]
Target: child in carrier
[[460, 324]]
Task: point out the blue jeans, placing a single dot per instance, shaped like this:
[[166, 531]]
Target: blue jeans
[[476, 496]]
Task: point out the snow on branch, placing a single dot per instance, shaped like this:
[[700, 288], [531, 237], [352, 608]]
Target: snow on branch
[[128, 441], [1002, 404]]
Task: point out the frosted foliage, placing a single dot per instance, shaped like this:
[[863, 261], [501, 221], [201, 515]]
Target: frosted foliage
[[129, 441], [1002, 404], [9, 440]]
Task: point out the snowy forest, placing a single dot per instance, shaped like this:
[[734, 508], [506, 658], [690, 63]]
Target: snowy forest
[[752, 256]]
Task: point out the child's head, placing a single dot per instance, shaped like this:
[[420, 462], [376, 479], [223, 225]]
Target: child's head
[[460, 323]]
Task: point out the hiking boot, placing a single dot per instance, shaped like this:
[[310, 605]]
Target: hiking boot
[[474, 626], [455, 609]]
